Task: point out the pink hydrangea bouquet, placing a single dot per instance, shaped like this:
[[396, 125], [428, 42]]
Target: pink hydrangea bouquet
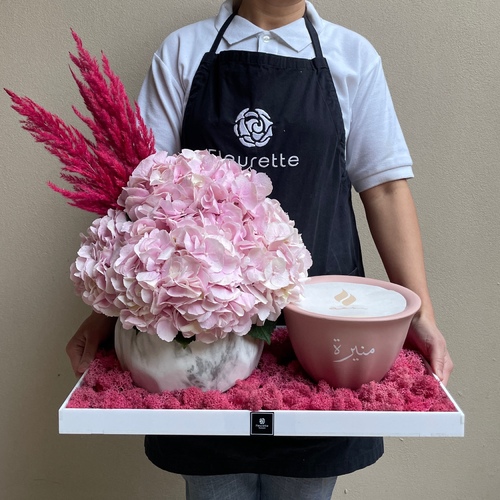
[[198, 250], [187, 246]]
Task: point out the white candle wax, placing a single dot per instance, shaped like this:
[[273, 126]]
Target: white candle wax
[[351, 300]]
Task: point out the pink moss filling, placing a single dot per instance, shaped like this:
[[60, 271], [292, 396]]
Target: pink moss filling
[[278, 383]]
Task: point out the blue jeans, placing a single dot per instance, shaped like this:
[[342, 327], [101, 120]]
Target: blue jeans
[[258, 487]]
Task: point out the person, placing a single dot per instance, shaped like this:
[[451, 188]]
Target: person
[[279, 89]]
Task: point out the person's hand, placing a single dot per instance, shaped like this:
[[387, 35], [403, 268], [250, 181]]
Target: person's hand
[[424, 336], [82, 347]]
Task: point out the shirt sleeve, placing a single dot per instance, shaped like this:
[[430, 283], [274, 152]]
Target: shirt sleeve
[[161, 101], [376, 149]]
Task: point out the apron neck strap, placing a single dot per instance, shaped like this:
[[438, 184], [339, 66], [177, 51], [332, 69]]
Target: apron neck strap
[[314, 37], [310, 28], [221, 33]]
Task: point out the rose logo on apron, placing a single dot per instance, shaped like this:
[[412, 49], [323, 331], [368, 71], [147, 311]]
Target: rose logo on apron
[[253, 128]]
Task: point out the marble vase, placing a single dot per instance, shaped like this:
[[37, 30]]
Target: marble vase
[[158, 366]]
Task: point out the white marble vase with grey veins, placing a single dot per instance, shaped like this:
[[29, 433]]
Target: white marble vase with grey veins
[[157, 365]]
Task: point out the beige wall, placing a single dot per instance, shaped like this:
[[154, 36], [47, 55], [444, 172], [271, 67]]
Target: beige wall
[[442, 63]]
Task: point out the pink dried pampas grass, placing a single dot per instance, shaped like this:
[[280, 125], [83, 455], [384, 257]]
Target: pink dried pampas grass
[[96, 169]]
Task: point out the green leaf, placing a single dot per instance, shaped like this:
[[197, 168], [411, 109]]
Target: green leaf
[[263, 332]]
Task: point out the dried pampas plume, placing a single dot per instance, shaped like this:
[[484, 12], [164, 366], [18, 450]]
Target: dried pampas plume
[[99, 168]]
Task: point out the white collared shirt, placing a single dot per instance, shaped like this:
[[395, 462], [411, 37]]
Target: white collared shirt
[[376, 150]]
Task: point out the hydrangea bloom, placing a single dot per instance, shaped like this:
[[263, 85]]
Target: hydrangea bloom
[[198, 248]]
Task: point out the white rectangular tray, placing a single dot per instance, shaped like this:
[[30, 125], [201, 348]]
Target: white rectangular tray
[[277, 423]]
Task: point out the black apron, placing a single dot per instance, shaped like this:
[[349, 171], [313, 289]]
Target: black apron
[[279, 115]]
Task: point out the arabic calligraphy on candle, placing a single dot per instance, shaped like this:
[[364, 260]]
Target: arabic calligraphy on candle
[[355, 354]]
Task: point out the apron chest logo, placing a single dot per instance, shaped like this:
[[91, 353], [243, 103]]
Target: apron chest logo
[[253, 128]]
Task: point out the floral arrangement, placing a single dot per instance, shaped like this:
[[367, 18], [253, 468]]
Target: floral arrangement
[[188, 246], [278, 383], [198, 249]]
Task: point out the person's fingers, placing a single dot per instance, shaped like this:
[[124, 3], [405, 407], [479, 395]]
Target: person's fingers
[[426, 337], [89, 352], [437, 352], [74, 350], [447, 368], [83, 346]]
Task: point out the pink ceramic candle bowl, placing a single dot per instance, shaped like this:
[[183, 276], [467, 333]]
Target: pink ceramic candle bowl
[[348, 351]]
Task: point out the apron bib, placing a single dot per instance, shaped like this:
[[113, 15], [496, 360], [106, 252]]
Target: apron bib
[[281, 115]]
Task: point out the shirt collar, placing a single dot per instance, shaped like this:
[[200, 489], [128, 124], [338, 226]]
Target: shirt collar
[[295, 34]]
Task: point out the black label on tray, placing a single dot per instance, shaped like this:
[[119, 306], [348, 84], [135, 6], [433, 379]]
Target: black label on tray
[[261, 424]]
